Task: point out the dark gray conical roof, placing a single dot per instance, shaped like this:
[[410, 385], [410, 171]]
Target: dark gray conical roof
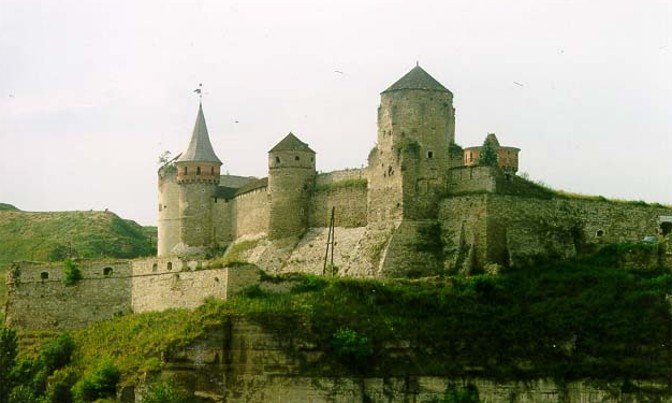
[[417, 79], [291, 143], [200, 148]]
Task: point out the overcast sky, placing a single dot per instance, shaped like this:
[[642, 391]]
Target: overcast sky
[[91, 92]]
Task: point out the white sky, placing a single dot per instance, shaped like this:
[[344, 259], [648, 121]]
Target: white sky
[[92, 91]]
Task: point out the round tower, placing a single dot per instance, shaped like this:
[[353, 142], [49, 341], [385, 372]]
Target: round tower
[[416, 126], [291, 176], [196, 176]]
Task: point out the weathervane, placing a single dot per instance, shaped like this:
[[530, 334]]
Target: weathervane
[[199, 91]]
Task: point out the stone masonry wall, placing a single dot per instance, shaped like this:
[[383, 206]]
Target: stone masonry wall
[[511, 230], [327, 178], [350, 204], [38, 299], [185, 287], [471, 179], [250, 213]]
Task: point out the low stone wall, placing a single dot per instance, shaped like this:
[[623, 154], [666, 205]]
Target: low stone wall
[[188, 289], [38, 299]]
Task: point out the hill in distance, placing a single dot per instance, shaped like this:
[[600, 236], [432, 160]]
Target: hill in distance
[[55, 236]]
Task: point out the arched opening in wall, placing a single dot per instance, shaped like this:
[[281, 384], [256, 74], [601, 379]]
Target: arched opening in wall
[[296, 158], [430, 154], [666, 228], [155, 267], [599, 233], [186, 170], [44, 275], [107, 271], [277, 160], [169, 266], [198, 170]]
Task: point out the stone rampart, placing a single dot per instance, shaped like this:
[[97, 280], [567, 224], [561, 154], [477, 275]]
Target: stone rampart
[[37, 298], [510, 230], [472, 179], [250, 213], [327, 178], [188, 288], [349, 202]]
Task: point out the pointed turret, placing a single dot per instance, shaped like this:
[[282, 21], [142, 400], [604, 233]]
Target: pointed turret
[[199, 163], [200, 148]]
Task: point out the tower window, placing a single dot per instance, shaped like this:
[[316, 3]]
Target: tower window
[[430, 154], [296, 158], [212, 170], [169, 266], [277, 160], [198, 170], [599, 233], [186, 170]]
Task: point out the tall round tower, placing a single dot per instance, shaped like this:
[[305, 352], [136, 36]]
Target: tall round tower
[[291, 176], [408, 167], [197, 176]]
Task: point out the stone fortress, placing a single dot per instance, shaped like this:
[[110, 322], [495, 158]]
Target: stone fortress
[[422, 207]]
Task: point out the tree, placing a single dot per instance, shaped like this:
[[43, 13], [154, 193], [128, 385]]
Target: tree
[[8, 351], [164, 157], [488, 155]]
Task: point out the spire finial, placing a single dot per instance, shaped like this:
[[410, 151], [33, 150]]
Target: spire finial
[[199, 91], [417, 63]]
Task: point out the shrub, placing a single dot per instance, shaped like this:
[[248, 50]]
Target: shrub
[[71, 272], [8, 351], [101, 383], [58, 353], [353, 348], [166, 392]]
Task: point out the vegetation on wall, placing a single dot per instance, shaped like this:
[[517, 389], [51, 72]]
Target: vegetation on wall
[[71, 272]]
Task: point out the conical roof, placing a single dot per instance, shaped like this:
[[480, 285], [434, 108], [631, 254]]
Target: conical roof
[[417, 79], [291, 143], [200, 148]]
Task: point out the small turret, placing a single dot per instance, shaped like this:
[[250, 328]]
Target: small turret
[[291, 176], [507, 157]]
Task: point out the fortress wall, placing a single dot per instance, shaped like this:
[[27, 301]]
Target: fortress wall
[[222, 221], [327, 178], [188, 289], [350, 204], [250, 212], [516, 230], [471, 179], [35, 302]]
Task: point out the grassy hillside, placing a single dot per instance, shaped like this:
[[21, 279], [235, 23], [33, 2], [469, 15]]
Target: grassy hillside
[[53, 236], [573, 320]]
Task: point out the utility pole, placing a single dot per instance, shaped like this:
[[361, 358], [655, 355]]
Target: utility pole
[[330, 245]]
